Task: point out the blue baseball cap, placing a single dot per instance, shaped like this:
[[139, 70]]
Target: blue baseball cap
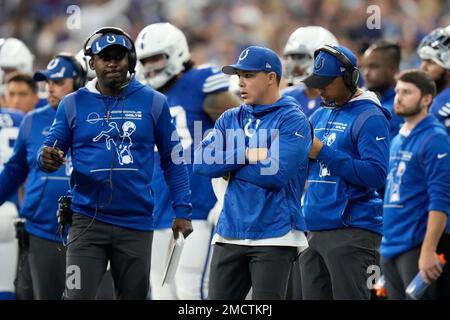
[[256, 58], [58, 68], [110, 39], [327, 67]]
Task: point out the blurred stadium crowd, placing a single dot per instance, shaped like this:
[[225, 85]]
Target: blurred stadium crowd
[[42, 25]]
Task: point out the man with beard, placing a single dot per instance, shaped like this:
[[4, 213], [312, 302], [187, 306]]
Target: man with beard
[[434, 50], [380, 65], [416, 203], [111, 127]]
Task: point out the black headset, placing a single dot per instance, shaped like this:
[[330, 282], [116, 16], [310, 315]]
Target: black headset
[[132, 57], [351, 74], [81, 77]]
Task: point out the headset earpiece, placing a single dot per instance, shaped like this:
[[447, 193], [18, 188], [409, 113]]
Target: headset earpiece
[[351, 74], [132, 57], [81, 78]]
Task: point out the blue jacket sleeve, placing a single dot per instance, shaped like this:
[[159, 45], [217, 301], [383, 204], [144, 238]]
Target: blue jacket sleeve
[[15, 171], [373, 147], [60, 130], [436, 160], [216, 156], [287, 154], [172, 163]]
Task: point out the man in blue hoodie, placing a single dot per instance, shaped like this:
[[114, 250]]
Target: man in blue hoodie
[[111, 128], [262, 149], [416, 201], [349, 159], [45, 253]]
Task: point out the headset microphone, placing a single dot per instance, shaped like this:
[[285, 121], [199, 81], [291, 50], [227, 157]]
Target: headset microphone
[[126, 83]]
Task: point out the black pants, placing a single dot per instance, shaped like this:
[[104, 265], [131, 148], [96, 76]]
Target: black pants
[[294, 289], [22, 283], [334, 266], [47, 261], [106, 290], [128, 251], [443, 282], [400, 271], [236, 268]]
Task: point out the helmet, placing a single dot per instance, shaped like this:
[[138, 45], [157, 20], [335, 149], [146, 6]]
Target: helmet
[[128, 127], [84, 62], [436, 46], [304, 41], [139, 75], [163, 38], [14, 54]]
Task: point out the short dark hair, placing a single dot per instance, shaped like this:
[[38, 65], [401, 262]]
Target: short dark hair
[[420, 79], [391, 49], [278, 79], [23, 77]]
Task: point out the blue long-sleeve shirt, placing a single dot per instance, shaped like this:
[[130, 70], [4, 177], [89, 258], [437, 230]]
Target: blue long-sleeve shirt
[[440, 108], [112, 141], [418, 182], [352, 164], [263, 198], [41, 190]]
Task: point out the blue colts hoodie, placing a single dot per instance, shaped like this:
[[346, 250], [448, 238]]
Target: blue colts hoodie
[[352, 164], [112, 140], [263, 198], [418, 182]]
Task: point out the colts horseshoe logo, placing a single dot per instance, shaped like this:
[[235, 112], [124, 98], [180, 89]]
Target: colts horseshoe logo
[[319, 64], [52, 64], [244, 54], [110, 39]]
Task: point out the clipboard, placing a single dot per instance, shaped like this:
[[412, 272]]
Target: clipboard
[[173, 259]]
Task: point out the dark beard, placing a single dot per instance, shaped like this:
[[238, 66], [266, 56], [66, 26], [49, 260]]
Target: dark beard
[[411, 113], [380, 89], [441, 81]]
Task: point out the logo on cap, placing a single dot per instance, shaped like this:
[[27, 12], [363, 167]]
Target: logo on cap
[[319, 63], [52, 64], [268, 65], [110, 39], [244, 54]]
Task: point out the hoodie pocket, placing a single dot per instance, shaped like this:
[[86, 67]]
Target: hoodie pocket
[[325, 205]]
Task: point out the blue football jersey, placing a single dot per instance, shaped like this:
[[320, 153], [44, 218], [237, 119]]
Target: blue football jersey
[[186, 98], [440, 108], [307, 104], [41, 190], [9, 129]]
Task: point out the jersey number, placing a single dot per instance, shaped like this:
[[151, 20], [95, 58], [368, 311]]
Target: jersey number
[[7, 139], [179, 114]]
